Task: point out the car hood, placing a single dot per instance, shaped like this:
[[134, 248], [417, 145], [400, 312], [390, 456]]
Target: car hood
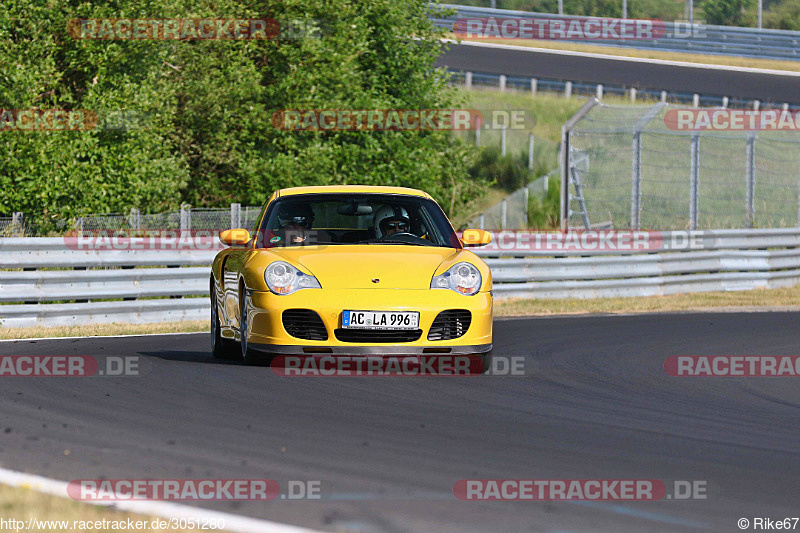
[[355, 267]]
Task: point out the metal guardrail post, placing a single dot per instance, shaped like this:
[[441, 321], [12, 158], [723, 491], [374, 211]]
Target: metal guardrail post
[[534, 86], [503, 213], [694, 181], [751, 179], [568, 90], [502, 83], [503, 140], [468, 80], [236, 216]]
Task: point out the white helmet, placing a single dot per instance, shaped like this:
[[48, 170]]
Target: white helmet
[[387, 214]]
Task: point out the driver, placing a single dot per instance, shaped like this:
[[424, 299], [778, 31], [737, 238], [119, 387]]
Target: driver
[[295, 221], [390, 220]]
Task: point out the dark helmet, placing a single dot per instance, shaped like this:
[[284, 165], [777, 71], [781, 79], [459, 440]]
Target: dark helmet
[[296, 213]]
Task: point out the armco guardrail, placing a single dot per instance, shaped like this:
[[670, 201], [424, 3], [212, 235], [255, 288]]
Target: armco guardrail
[[167, 285], [679, 37]]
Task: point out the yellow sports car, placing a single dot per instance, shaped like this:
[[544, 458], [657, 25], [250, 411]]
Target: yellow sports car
[[351, 270]]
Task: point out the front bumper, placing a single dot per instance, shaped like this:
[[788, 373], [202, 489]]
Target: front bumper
[[267, 333]]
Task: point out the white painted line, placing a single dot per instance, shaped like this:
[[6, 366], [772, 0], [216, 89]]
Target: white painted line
[[704, 66], [102, 336], [234, 523]]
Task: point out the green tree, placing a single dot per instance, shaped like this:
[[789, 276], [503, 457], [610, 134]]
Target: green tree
[[208, 138], [727, 12]]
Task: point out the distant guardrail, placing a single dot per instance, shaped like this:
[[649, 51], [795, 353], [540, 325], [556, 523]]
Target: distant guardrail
[[679, 37], [44, 288]]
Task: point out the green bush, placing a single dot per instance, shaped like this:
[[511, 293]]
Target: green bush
[[544, 211]]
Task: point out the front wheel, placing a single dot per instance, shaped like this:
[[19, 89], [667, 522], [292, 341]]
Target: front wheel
[[221, 348], [249, 356], [486, 360]]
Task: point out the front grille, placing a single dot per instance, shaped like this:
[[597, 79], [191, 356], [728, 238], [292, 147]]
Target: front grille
[[450, 324], [304, 324], [377, 335]]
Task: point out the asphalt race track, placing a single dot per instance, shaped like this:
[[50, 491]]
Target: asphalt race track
[[596, 403], [639, 74]]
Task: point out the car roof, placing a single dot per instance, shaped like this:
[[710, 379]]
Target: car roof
[[360, 189]]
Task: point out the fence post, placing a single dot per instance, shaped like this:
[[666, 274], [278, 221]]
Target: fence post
[[16, 223], [502, 83], [633, 94], [756, 105], [636, 179], [236, 216], [568, 90], [751, 178], [468, 80], [478, 136], [534, 86], [599, 91], [134, 219], [186, 217], [725, 102], [481, 221], [503, 212], [525, 198], [663, 96], [503, 140], [694, 181], [695, 100], [530, 151]]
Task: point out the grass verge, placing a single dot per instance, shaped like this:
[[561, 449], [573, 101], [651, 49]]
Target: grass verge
[[103, 330], [756, 299], [22, 504]]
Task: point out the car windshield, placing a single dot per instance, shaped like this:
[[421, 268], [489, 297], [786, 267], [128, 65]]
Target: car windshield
[[363, 219]]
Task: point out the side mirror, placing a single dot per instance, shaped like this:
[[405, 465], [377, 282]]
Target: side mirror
[[476, 237], [234, 237]]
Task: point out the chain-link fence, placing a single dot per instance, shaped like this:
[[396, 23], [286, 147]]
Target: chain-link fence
[[668, 168], [186, 218], [512, 211]]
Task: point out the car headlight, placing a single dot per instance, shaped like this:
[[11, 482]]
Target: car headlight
[[464, 278], [282, 278]]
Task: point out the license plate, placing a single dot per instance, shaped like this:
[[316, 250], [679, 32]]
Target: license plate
[[380, 319]]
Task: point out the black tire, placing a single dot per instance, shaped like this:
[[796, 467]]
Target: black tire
[[221, 348], [248, 355], [487, 362]]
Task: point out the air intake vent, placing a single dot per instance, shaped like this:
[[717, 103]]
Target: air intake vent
[[377, 335], [304, 324], [450, 324]]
